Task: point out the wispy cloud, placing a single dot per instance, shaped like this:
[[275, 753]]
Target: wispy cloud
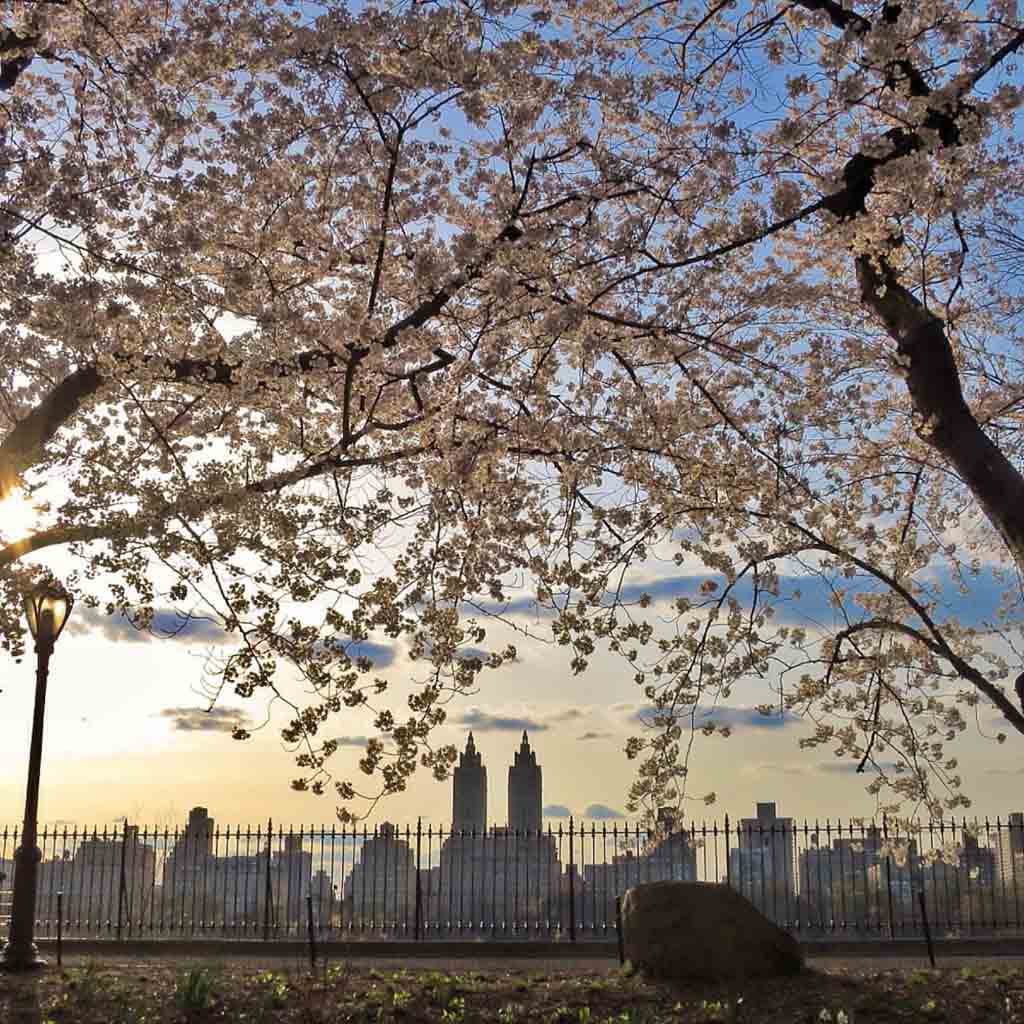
[[468, 652], [624, 708], [514, 720], [721, 715], [602, 812], [381, 655], [1002, 771], [167, 624], [777, 768], [484, 721], [219, 719], [849, 767], [594, 736], [568, 715], [803, 599], [555, 811], [739, 717], [351, 741]]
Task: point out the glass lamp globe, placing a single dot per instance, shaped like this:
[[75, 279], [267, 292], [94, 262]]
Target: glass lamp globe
[[47, 609]]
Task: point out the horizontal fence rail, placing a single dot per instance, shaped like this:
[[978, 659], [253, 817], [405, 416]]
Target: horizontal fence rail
[[858, 879]]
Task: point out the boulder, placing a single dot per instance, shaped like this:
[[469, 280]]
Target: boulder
[[685, 930]]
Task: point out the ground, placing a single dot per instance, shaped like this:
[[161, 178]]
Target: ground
[[162, 992]]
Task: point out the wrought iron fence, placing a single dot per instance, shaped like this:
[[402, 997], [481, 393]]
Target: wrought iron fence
[[858, 879]]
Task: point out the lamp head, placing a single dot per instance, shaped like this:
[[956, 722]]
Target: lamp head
[[47, 608]]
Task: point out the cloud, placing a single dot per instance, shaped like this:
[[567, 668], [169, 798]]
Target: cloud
[[777, 767], [844, 767], [720, 715], [739, 717], [483, 721], [513, 721], [381, 655], [167, 624], [468, 652], [351, 741], [568, 715], [219, 719], [594, 736], [1002, 771], [804, 599], [602, 812], [556, 811]]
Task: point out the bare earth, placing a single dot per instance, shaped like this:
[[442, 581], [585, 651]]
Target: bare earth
[[162, 990]]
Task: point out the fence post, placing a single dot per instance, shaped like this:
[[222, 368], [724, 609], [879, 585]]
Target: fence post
[[121, 883], [60, 926], [572, 885], [266, 888], [418, 925], [618, 930], [927, 929], [312, 938], [728, 859], [888, 875]]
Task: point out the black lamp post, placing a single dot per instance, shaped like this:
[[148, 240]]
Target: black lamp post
[[47, 609]]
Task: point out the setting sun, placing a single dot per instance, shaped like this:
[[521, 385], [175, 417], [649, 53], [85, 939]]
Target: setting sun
[[18, 516]]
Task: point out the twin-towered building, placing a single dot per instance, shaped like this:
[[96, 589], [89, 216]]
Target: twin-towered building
[[469, 791], [506, 875]]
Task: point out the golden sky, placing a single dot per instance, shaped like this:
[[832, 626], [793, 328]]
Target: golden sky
[[126, 736]]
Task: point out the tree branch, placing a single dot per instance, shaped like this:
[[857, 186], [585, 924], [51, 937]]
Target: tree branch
[[140, 526]]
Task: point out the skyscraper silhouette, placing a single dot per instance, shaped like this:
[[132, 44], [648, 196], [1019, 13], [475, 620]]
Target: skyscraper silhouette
[[524, 789], [469, 791]]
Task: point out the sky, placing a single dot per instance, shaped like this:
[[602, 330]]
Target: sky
[[127, 736]]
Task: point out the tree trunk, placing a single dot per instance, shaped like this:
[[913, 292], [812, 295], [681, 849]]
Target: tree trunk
[[942, 416]]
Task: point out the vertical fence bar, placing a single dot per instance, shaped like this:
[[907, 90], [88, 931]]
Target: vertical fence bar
[[504, 884], [621, 939], [494, 881], [418, 930], [60, 927], [526, 879], [1014, 857], [728, 858], [615, 860], [312, 937], [888, 874], [472, 879], [121, 880], [572, 885], [279, 889], [267, 884], [63, 858], [927, 929], [426, 890]]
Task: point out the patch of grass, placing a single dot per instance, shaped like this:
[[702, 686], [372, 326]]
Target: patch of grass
[[193, 993]]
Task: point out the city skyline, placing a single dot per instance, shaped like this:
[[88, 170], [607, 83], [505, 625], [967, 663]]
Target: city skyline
[[398, 880]]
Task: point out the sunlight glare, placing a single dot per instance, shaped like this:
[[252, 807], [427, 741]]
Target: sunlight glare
[[18, 516]]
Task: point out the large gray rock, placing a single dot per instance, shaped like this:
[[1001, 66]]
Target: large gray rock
[[677, 930]]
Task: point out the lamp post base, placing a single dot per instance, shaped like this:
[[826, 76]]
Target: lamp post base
[[23, 958]]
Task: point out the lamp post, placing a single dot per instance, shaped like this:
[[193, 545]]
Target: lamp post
[[47, 609]]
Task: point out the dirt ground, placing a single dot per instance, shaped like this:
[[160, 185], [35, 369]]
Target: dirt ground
[[275, 990]]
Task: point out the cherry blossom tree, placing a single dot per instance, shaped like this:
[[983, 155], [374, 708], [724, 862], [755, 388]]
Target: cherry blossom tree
[[335, 324]]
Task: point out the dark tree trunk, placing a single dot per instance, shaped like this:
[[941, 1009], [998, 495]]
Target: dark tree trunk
[[942, 416]]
